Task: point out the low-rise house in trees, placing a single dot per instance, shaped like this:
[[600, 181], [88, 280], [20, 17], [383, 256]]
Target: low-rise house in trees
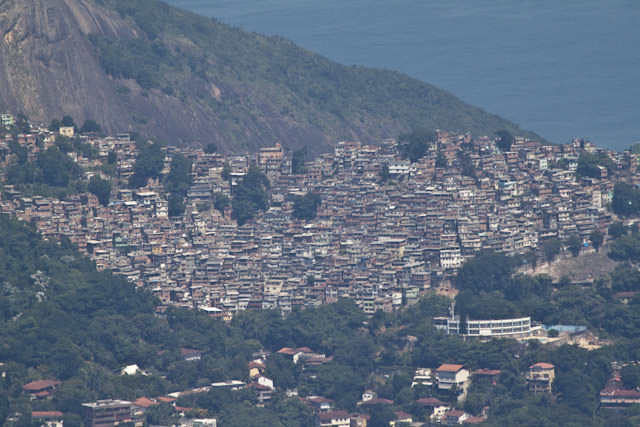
[[40, 389], [359, 420], [488, 374], [435, 408], [614, 395], [422, 376], [452, 377], [228, 385], [454, 417], [190, 355], [319, 403], [540, 377], [48, 418], [110, 412], [402, 418], [333, 419]]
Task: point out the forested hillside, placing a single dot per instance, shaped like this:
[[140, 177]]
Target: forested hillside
[[62, 320], [188, 79]]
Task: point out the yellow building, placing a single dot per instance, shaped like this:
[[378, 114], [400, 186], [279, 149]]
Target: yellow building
[[540, 377]]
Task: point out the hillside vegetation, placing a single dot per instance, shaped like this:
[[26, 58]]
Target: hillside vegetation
[[61, 319], [186, 78]]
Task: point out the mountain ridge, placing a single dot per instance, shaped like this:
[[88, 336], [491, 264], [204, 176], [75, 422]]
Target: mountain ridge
[[187, 79]]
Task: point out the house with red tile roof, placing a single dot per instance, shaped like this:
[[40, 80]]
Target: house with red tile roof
[[41, 388], [334, 419], [48, 418], [540, 377], [454, 417], [452, 377], [435, 407]]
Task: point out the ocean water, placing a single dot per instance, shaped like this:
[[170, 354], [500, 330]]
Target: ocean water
[[564, 69]]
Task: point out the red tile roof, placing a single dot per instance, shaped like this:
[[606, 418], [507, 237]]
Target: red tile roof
[[542, 365], [431, 401], [40, 385], [46, 414], [489, 372], [449, 367], [377, 400], [144, 402], [326, 416]]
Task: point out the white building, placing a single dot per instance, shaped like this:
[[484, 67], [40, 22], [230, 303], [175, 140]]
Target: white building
[[423, 376], [450, 376], [451, 258], [518, 327]]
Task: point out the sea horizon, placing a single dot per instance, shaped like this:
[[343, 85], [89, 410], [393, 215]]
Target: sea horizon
[[564, 70]]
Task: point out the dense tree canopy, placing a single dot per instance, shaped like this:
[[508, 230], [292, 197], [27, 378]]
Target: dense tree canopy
[[177, 183], [305, 207], [414, 145], [90, 125], [52, 168], [297, 161], [149, 163], [250, 195], [505, 140], [626, 199], [101, 188], [59, 318], [589, 164]]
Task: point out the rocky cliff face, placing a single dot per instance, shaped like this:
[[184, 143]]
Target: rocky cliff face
[[50, 65], [47, 65]]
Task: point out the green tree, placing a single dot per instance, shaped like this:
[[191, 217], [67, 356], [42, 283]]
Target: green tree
[[414, 145], [220, 201], [306, 207], [101, 188], [596, 238], [466, 164], [474, 403], [4, 409], [625, 248], [626, 199], [294, 413], [226, 171], [176, 205], [180, 176], [551, 249], [381, 415], [163, 414], [211, 148], [505, 140], [57, 168], [617, 229], [531, 257], [250, 195], [297, 162], [21, 125], [589, 164], [283, 371], [486, 271], [68, 121], [55, 125], [112, 158], [90, 126], [72, 420], [574, 243], [384, 173], [149, 163]]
